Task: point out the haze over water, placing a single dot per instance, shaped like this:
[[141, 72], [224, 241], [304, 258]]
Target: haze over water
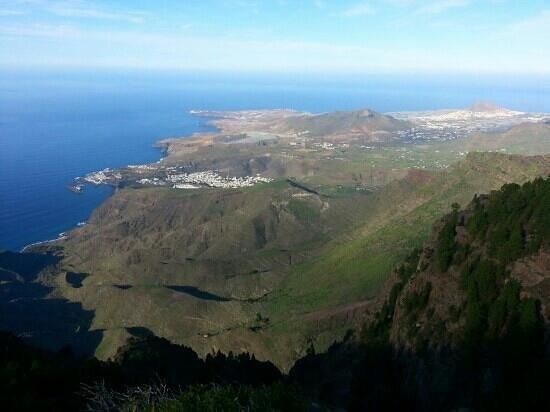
[[56, 126]]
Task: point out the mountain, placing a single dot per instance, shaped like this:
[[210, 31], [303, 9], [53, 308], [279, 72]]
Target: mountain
[[465, 321], [485, 107], [269, 269], [470, 273], [360, 122]]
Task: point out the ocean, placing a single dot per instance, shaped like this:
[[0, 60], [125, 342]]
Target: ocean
[[55, 126]]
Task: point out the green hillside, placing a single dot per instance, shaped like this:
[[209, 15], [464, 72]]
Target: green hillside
[[268, 269], [464, 321], [355, 270]]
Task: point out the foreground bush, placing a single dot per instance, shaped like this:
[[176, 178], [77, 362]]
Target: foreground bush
[[199, 398]]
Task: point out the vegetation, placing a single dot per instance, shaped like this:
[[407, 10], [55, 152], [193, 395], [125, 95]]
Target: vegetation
[[446, 242], [506, 217], [230, 398], [486, 353], [148, 374], [499, 356], [377, 332], [353, 267], [294, 256], [304, 211], [492, 357]]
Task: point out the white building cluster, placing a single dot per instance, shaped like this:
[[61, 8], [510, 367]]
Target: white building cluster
[[142, 168], [326, 146], [453, 124], [155, 181], [185, 186], [175, 178], [104, 176], [331, 146], [212, 179]]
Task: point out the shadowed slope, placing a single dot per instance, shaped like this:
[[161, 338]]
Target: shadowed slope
[[30, 309]]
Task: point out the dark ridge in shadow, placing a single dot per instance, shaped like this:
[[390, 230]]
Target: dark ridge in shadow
[[27, 310], [252, 300], [7, 276], [75, 279], [304, 188], [140, 332], [252, 272], [259, 271], [39, 380], [27, 265], [198, 293], [123, 287]]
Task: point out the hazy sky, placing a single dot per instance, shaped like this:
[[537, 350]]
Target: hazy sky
[[473, 36]]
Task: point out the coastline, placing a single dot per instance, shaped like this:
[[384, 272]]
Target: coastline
[[162, 145], [61, 236], [225, 123]]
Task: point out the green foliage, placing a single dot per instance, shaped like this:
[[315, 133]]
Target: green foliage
[[495, 311], [416, 301], [276, 397], [377, 333], [483, 283], [31, 379], [495, 359], [503, 308], [447, 246], [478, 222], [303, 210], [531, 324], [475, 324], [36, 380], [454, 313], [513, 221], [461, 254], [408, 267]]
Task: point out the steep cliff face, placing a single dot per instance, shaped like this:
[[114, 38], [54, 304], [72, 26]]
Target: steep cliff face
[[464, 323], [483, 275]]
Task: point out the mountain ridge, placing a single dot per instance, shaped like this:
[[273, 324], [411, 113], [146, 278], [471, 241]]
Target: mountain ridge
[[462, 325]]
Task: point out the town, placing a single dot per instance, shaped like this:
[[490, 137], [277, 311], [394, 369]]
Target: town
[[173, 178], [208, 178]]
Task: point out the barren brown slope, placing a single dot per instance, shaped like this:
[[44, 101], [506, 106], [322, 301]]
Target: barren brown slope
[[361, 122]]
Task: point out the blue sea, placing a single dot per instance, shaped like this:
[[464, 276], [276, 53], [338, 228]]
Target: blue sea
[[55, 126]]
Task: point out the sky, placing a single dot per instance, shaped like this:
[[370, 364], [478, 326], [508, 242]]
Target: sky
[[306, 36]]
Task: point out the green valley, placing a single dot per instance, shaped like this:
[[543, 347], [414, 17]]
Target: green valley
[[290, 252]]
